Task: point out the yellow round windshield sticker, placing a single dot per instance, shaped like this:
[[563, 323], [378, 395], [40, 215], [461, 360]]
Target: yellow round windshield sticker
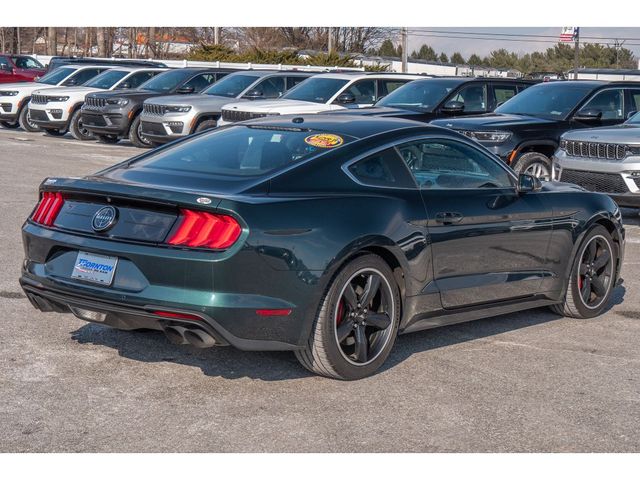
[[324, 140]]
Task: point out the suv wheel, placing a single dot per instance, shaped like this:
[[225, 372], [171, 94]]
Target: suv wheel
[[135, 135], [11, 125], [357, 322], [206, 125], [592, 277], [535, 164], [25, 120], [107, 138], [77, 129], [54, 132]]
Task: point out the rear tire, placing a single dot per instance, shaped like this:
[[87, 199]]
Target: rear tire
[[206, 125], [592, 277], [357, 321], [135, 135], [77, 129], [10, 125], [534, 163], [108, 139], [25, 120]]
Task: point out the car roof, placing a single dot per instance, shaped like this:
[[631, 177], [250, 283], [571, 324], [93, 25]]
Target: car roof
[[356, 75], [354, 126]]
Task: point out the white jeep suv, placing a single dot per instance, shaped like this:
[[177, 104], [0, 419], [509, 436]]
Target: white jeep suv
[[321, 93], [56, 110], [14, 97]]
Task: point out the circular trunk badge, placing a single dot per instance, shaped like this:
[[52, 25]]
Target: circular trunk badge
[[104, 219], [324, 140]]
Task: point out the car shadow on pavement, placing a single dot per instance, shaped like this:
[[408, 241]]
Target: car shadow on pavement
[[152, 347]]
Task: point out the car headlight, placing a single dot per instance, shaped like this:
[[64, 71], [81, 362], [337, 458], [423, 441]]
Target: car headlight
[[563, 144], [57, 99], [488, 136], [177, 108], [8, 93], [633, 150], [121, 102]]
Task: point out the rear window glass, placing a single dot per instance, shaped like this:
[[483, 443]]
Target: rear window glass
[[242, 151]]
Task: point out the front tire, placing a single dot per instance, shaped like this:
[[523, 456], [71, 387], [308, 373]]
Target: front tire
[[534, 163], [206, 125], [10, 125], [592, 276], [108, 139], [25, 121], [77, 129], [135, 134], [357, 322]]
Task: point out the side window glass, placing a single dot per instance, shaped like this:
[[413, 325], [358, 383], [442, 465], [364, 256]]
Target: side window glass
[[293, 81], [138, 79], [474, 97], [502, 93], [451, 165], [385, 87], [4, 62], [221, 75], [609, 102], [635, 103], [271, 87], [364, 91], [85, 75], [382, 169], [200, 82]]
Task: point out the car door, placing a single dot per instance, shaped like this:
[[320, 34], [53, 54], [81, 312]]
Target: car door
[[489, 243], [271, 87], [610, 102], [474, 97], [6, 70], [500, 93], [364, 92]]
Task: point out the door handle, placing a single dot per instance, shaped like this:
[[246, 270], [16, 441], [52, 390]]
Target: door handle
[[448, 218]]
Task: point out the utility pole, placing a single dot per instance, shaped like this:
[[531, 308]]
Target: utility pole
[[216, 35], [405, 49], [576, 58], [617, 45], [330, 40]]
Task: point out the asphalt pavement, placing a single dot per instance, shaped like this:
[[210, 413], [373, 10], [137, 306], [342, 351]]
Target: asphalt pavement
[[527, 382]]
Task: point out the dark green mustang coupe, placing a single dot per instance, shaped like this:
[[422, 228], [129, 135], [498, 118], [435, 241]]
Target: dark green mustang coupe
[[324, 235]]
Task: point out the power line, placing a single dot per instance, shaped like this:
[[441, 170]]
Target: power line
[[519, 35]]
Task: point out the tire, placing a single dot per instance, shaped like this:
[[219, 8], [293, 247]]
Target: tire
[[206, 125], [583, 278], [109, 139], [55, 132], [534, 163], [25, 122], [324, 354], [135, 135], [77, 129], [10, 125]]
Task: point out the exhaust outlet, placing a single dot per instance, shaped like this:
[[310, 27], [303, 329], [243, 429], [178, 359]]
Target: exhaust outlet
[[199, 338], [174, 335]]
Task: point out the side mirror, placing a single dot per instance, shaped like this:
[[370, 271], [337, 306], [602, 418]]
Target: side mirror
[[346, 98], [183, 90], [71, 82], [253, 95], [5, 66], [528, 183], [453, 106], [588, 115], [631, 114]]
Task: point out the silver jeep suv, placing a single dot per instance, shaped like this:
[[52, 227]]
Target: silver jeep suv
[[605, 159], [166, 118]]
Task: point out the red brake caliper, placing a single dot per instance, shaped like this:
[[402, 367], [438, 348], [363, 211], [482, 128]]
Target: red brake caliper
[[340, 312], [579, 282]]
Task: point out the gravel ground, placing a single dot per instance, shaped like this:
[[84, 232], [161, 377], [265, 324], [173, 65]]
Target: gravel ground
[[531, 381]]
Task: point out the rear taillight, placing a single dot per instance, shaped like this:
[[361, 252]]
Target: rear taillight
[[48, 208], [205, 230]]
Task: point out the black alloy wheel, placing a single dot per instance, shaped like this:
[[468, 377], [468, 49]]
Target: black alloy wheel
[[596, 272]]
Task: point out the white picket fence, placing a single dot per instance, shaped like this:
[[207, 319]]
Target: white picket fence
[[44, 59]]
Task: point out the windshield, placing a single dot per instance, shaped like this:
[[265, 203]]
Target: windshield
[[107, 79], [552, 101], [240, 151], [56, 76], [317, 90], [421, 95], [26, 62], [231, 86], [166, 82]]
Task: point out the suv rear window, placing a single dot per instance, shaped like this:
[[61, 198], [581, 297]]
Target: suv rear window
[[241, 151]]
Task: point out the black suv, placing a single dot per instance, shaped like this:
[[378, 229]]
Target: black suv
[[113, 115], [525, 131], [431, 98]]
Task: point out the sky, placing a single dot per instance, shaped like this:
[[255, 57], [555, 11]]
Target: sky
[[482, 46]]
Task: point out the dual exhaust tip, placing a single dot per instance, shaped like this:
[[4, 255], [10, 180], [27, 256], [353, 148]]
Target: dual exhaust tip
[[195, 337]]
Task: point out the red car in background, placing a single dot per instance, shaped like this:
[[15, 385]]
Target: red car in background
[[19, 68]]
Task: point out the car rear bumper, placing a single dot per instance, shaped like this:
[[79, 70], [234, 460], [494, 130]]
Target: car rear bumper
[[149, 279]]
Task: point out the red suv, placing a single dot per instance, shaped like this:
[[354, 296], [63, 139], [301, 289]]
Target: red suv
[[19, 68]]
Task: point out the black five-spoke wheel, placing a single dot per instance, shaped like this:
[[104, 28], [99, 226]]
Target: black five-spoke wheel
[[595, 273], [362, 318]]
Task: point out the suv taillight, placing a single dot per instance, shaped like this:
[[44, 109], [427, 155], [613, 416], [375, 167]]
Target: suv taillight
[[205, 230], [48, 208]]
